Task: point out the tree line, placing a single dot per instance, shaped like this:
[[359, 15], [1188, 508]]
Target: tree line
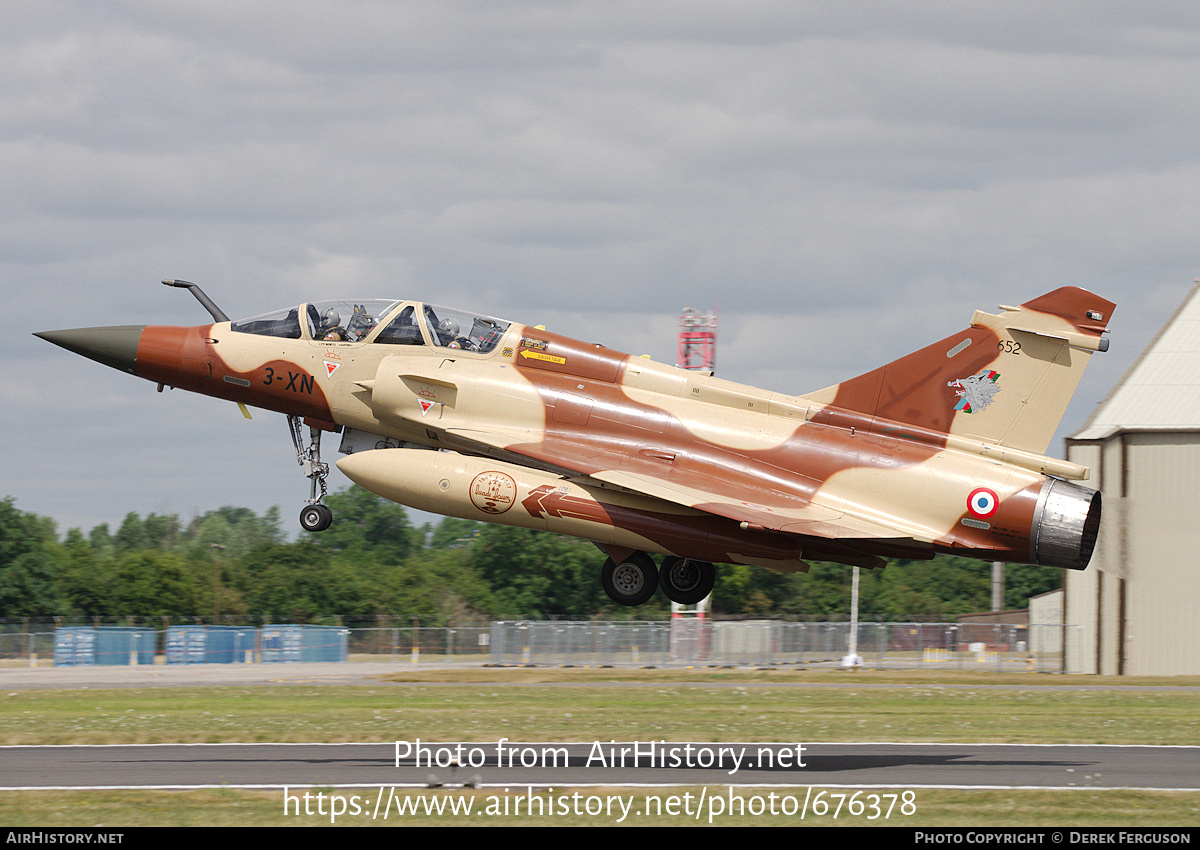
[[232, 565]]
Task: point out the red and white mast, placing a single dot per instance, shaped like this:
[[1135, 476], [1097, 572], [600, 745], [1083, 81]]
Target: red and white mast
[[697, 341], [697, 351]]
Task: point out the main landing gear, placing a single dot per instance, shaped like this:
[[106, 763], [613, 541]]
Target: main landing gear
[[634, 580], [316, 515], [686, 581], [631, 582]]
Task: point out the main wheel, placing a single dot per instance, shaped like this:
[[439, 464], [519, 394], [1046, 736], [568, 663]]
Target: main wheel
[[686, 581], [316, 517], [631, 582]]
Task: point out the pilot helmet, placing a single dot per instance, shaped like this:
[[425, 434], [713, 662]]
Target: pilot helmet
[[333, 318], [449, 327]]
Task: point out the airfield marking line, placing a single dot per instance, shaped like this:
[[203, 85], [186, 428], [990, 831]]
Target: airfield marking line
[[425, 786], [747, 685], [216, 744], [588, 743]]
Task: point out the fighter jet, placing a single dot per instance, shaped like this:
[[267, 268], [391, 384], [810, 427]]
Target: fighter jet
[[457, 413]]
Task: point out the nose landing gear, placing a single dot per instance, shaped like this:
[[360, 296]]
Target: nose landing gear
[[316, 515]]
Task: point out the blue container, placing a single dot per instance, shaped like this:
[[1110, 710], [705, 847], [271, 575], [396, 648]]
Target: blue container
[[304, 643], [209, 644], [185, 644], [281, 643], [229, 644], [77, 646], [74, 646], [121, 644]]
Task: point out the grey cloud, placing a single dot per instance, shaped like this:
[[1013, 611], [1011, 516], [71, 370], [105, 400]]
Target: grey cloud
[[845, 186]]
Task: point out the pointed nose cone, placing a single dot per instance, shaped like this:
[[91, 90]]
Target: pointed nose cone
[[113, 346]]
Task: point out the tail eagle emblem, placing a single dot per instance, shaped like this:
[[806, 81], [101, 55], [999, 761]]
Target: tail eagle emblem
[[976, 392]]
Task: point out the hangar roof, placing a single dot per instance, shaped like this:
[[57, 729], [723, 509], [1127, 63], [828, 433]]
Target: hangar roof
[[1161, 390]]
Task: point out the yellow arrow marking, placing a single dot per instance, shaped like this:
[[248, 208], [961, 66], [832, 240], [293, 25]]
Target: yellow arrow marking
[[537, 355]]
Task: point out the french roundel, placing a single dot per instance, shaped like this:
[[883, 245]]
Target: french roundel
[[983, 502]]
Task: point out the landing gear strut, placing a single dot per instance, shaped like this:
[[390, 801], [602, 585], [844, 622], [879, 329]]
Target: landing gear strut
[[316, 515]]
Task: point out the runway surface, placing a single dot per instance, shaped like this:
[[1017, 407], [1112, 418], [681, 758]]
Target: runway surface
[[371, 672], [605, 763], [553, 764]]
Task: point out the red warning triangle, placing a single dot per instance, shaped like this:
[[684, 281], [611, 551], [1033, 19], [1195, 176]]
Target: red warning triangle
[[330, 368], [425, 405]]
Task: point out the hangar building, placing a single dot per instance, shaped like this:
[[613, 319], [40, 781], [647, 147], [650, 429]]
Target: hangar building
[[1139, 600]]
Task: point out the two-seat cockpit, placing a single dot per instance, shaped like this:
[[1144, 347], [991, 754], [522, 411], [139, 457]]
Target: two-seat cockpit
[[380, 322], [364, 323]]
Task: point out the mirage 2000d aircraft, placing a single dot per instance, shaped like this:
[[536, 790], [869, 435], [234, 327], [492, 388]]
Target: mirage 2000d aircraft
[[941, 451]]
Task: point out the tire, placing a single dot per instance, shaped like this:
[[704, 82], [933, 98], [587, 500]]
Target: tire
[[316, 517], [686, 581], [631, 582]]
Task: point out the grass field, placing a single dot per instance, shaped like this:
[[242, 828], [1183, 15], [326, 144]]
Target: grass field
[[977, 809], [482, 704]]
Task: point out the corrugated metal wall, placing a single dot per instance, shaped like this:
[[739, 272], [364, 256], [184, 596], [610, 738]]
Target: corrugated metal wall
[[1139, 601]]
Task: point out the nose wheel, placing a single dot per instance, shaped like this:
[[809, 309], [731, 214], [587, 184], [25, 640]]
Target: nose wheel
[[316, 515]]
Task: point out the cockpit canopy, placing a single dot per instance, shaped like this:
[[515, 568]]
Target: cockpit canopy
[[380, 322]]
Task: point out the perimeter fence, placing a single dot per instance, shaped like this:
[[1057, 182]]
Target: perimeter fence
[[681, 641], [770, 643]]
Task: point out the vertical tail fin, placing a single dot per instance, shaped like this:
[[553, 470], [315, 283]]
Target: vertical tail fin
[[1006, 380]]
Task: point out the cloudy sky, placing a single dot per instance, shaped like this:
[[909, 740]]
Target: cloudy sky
[[844, 181]]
